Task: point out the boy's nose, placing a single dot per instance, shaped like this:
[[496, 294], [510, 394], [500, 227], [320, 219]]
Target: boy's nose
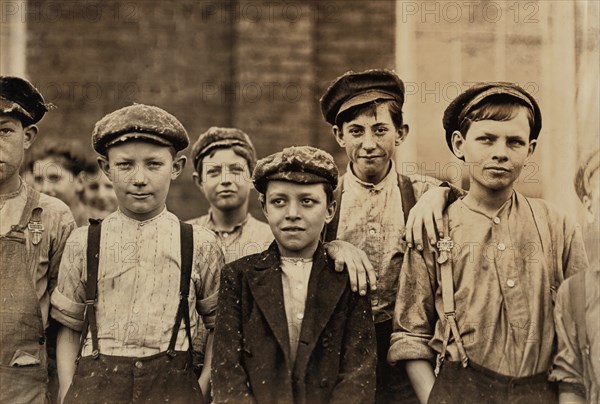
[[139, 177], [500, 152], [369, 142], [292, 211]]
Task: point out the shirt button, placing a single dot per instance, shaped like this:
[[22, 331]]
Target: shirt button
[[300, 316], [136, 310], [501, 246], [299, 263], [372, 232], [225, 235], [497, 220], [510, 283], [139, 364]]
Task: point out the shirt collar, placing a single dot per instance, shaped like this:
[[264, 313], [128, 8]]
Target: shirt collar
[[210, 223], [391, 179], [128, 219]]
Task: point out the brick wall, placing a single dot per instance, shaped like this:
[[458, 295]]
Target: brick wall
[[260, 66]]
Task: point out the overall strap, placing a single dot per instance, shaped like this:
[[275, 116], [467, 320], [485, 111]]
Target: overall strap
[[542, 224], [578, 300], [183, 310], [33, 198], [407, 193], [91, 288], [444, 260], [330, 230]]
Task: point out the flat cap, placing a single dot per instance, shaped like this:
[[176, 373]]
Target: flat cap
[[353, 89], [299, 164], [475, 95], [142, 122], [19, 97], [216, 137]]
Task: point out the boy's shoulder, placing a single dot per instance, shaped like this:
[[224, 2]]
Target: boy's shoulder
[[54, 207]]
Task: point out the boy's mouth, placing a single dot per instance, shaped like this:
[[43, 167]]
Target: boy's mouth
[[226, 192], [139, 195], [292, 229], [498, 169]]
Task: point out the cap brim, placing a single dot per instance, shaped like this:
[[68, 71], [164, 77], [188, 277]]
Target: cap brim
[[365, 98], [11, 107], [138, 136]]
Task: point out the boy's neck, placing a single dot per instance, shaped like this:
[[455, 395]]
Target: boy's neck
[[376, 178], [487, 200], [307, 253], [11, 185], [228, 220]]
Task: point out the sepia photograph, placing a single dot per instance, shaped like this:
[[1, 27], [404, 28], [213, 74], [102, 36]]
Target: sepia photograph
[[299, 201]]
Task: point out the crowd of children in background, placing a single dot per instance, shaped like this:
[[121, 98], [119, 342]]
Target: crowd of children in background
[[326, 301]]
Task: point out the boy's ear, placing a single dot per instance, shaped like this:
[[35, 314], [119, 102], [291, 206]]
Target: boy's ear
[[31, 132], [104, 166], [178, 166], [197, 180], [80, 182], [263, 205], [532, 145], [401, 134], [330, 212], [339, 136], [458, 142]]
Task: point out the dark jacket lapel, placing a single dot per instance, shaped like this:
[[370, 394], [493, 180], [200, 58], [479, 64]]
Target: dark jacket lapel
[[325, 287], [267, 290]]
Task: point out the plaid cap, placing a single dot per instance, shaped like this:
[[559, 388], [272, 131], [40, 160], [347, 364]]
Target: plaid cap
[[352, 89], [299, 164], [475, 95], [216, 137], [19, 97], [140, 122]]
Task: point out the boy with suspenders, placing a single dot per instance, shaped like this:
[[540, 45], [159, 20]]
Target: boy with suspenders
[[125, 287]]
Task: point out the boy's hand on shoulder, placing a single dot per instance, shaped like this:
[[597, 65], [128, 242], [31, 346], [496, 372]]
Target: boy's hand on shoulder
[[360, 270], [428, 213]]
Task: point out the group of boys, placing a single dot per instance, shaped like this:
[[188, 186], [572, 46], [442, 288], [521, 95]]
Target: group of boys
[[288, 322]]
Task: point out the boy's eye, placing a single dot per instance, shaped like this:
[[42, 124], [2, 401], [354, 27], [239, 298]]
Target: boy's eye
[[236, 169], [123, 165], [516, 142], [308, 202], [213, 171], [484, 139], [277, 202], [155, 164], [54, 177], [355, 131], [6, 131], [381, 130]]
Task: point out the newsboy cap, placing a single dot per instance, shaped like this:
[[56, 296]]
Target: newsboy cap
[[475, 95], [299, 164], [19, 97], [216, 137], [139, 121], [352, 89]]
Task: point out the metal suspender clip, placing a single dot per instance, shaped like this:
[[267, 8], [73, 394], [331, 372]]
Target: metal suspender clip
[[445, 245]]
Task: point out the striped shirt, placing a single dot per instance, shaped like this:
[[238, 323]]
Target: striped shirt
[[138, 284]]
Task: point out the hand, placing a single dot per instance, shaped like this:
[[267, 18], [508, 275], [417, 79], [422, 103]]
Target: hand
[[428, 212], [359, 267]]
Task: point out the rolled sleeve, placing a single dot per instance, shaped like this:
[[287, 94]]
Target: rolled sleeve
[[209, 261], [414, 314], [68, 297], [568, 366]]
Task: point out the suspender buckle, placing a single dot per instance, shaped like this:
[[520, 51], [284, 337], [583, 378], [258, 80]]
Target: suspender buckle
[[444, 246], [171, 353], [439, 360], [95, 354]]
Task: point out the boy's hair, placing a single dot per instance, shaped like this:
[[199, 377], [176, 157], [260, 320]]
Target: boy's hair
[[586, 171], [237, 149], [500, 107], [68, 154], [370, 110], [326, 187]]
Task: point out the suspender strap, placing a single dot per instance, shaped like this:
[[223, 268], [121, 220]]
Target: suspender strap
[[183, 311], [444, 260], [578, 300], [408, 195], [33, 197], [91, 288]]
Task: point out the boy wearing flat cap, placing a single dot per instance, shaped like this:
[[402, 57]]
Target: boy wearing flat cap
[[132, 287], [482, 299], [365, 111], [34, 228], [289, 329]]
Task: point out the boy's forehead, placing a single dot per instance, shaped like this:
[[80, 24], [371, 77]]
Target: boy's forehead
[[139, 148], [379, 113], [9, 119], [290, 187]]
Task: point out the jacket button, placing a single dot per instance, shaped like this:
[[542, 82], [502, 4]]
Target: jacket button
[[325, 342], [139, 364], [324, 383], [42, 340]]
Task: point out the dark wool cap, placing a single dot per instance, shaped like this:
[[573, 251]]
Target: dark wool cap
[[220, 138], [474, 96], [141, 122], [353, 89], [299, 164], [20, 98]]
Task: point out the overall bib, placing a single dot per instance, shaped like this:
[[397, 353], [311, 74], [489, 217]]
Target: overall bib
[[164, 377], [23, 358]]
